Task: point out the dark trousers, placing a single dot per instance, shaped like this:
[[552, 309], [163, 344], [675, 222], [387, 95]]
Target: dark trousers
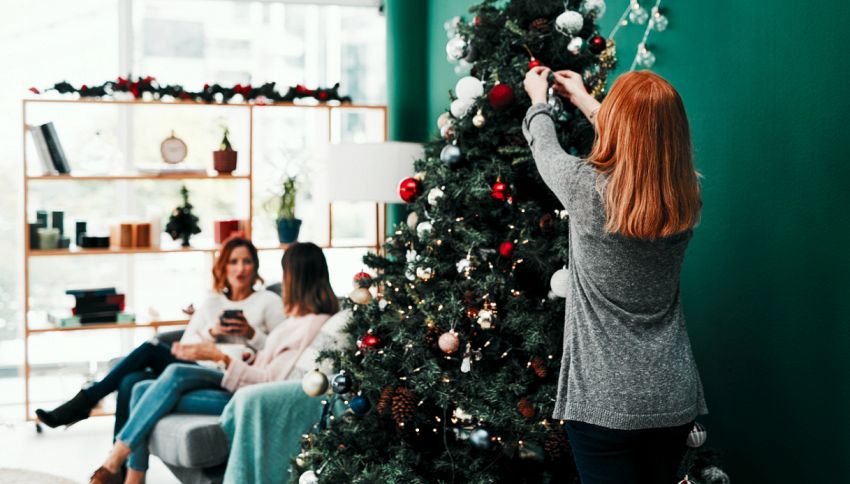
[[611, 456], [145, 362]]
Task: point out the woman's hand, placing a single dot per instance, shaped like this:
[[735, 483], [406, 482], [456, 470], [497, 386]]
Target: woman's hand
[[206, 351], [236, 326], [537, 84], [570, 85]]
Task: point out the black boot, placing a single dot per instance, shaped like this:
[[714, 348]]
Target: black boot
[[70, 412]]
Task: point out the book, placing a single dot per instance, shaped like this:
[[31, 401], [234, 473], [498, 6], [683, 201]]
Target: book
[[103, 317], [42, 151], [103, 308], [106, 291], [99, 304], [57, 154]]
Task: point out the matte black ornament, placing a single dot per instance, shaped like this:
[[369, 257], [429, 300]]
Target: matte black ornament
[[343, 383], [450, 155]]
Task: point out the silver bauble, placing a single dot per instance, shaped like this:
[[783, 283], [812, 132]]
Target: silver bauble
[[575, 45], [569, 23], [456, 48], [314, 383], [450, 154], [434, 195], [594, 7], [308, 477], [559, 282], [481, 438], [424, 229], [697, 437]]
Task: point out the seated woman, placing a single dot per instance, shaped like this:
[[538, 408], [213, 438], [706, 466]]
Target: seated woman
[[309, 302], [235, 274]]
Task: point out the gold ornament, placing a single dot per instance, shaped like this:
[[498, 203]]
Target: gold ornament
[[360, 296], [314, 383]]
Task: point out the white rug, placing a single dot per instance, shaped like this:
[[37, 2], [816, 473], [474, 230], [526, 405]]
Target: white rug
[[21, 476]]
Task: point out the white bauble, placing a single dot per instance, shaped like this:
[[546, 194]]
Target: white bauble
[[412, 220], [308, 477], [424, 229], [314, 383], [595, 7], [424, 273], [443, 120], [434, 195], [479, 120], [697, 437], [460, 107], [569, 23], [559, 282], [469, 87], [361, 295], [456, 49], [575, 45]]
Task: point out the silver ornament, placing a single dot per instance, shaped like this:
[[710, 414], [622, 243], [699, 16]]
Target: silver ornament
[[697, 437], [479, 120], [638, 14], [424, 273], [559, 282], [569, 23], [456, 49], [555, 102], [424, 229], [481, 438], [469, 87], [434, 195], [314, 383], [575, 45], [460, 107], [594, 7], [361, 296], [714, 475], [308, 477], [450, 155]]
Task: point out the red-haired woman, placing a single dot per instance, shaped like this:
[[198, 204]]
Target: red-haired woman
[[235, 277], [629, 388]]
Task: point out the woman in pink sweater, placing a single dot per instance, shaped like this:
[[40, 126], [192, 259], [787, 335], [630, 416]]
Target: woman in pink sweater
[[186, 388]]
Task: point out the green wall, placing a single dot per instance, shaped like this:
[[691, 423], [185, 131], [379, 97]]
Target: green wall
[[766, 285]]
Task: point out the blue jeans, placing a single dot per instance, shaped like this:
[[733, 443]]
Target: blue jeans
[[181, 388]]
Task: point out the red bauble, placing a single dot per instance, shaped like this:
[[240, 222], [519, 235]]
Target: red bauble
[[500, 191], [501, 97], [477, 21], [362, 279], [409, 189], [370, 341], [534, 63], [596, 44], [506, 249]]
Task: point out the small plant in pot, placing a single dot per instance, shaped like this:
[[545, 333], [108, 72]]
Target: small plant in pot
[[224, 160], [287, 225]]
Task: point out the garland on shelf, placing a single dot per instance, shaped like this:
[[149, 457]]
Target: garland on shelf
[[148, 88]]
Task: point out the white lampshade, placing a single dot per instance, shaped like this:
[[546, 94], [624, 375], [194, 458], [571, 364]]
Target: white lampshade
[[370, 172]]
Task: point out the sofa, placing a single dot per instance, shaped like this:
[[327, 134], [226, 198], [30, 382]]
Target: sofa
[[194, 447]]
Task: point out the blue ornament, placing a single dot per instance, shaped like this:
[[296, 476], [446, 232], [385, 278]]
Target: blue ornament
[[450, 155], [343, 383], [480, 438], [359, 405]]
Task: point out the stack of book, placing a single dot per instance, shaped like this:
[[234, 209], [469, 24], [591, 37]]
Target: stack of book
[[97, 305], [49, 149]]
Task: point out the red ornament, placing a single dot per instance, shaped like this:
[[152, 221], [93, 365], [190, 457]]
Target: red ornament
[[500, 191], [148, 79], [362, 279], [34, 90], [206, 87], [477, 21], [471, 312], [409, 189], [184, 95], [534, 63], [370, 341], [501, 97], [506, 249], [596, 44], [323, 95], [83, 87]]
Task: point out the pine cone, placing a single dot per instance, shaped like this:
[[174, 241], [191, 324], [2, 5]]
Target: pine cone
[[385, 402], [538, 364], [556, 445], [541, 25], [404, 406], [526, 408]]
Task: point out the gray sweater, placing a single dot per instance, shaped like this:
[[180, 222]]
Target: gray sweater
[[627, 361]]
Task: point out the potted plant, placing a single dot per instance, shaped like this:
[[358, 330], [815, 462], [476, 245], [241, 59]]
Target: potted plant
[[287, 225], [224, 160]]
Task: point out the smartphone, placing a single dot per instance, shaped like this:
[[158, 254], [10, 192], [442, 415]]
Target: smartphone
[[231, 314]]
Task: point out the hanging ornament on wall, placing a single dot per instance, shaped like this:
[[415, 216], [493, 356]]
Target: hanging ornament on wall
[[501, 97], [408, 189], [469, 87], [574, 47], [449, 342], [460, 107], [314, 383], [594, 7], [560, 281], [450, 155], [659, 21], [434, 196], [569, 23], [479, 120], [638, 14], [361, 296], [645, 58], [697, 437], [596, 44], [360, 405], [342, 383], [456, 49], [481, 438]]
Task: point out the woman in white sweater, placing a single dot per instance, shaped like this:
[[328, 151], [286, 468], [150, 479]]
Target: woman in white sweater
[[252, 314]]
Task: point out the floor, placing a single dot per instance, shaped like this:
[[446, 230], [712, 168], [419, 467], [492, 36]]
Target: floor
[[73, 453]]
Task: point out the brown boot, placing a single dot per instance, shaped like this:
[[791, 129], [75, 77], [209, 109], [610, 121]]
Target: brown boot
[[104, 476]]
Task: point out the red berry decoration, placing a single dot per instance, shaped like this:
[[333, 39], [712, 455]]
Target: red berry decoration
[[409, 189], [500, 191], [501, 97], [362, 279], [534, 63], [506, 249], [596, 44], [370, 341]]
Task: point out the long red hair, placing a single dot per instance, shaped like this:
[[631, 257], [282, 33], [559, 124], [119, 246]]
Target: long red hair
[[644, 147], [219, 271]]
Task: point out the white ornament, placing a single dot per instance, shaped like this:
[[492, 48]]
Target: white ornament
[[456, 49], [569, 23], [595, 7], [308, 477], [424, 229], [559, 282], [411, 256], [443, 120], [659, 21], [434, 195], [645, 57], [697, 437], [463, 265], [382, 304], [479, 120], [575, 45], [485, 319], [469, 87], [314, 383], [360, 295], [460, 108], [424, 273], [412, 220], [638, 14]]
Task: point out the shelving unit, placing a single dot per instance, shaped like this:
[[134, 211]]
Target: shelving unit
[[248, 177]]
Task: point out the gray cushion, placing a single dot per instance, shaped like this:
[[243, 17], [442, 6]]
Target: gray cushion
[[188, 440]]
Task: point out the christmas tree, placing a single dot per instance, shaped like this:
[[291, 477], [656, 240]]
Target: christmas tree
[[183, 224], [451, 372]]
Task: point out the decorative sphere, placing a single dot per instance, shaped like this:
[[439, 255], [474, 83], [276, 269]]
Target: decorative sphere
[[308, 477], [501, 97], [460, 107], [594, 7], [447, 131], [456, 48], [714, 475], [534, 63], [370, 341], [424, 273], [479, 120], [471, 54], [697, 437], [314, 383], [506, 249], [424, 229], [343, 383], [500, 191], [408, 189], [448, 342], [480, 438], [359, 405], [443, 120], [362, 279], [434, 195], [596, 44], [412, 220], [569, 23], [575, 45], [469, 87], [361, 295], [560, 282], [450, 155]]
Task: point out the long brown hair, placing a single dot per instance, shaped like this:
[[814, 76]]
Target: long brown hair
[[306, 282], [219, 271], [644, 147]]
